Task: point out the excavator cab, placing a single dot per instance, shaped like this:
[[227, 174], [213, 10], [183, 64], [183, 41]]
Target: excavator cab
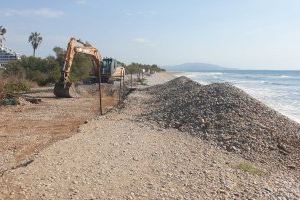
[[111, 70], [108, 67]]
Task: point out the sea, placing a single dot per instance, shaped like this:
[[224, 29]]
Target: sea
[[279, 90]]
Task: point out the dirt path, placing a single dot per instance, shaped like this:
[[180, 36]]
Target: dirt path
[[159, 78], [28, 128], [119, 156]]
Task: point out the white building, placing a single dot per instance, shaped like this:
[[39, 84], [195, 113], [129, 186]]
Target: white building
[[7, 55]]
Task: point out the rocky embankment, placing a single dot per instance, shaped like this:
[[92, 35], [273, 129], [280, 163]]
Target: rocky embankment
[[227, 116]]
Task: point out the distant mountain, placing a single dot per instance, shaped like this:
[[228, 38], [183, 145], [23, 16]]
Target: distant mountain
[[195, 67]]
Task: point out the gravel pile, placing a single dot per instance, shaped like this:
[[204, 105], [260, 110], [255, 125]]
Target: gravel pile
[[223, 114], [107, 90]]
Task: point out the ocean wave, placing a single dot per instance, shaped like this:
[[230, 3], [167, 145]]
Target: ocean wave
[[195, 74], [277, 76], [284, 76], [213, 73], [279, 84], [191, 75]]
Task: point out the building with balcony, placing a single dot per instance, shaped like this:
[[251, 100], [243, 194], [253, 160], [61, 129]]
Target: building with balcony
[[7, 55]]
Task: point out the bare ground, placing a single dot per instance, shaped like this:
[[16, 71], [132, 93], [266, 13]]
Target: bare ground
[[118, 156], [28, 128]]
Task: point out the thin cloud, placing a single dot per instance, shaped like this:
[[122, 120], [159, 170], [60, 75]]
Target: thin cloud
[[143, 41], [141, 13], [81, 2], [42, 12], [140, 40]]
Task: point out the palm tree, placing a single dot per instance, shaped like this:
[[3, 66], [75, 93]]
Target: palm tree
[[35, 39], [2, 32]]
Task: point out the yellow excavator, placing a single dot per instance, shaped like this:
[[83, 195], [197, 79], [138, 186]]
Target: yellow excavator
[[64, 87]]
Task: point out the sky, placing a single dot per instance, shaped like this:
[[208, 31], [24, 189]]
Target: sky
[[246, 34]]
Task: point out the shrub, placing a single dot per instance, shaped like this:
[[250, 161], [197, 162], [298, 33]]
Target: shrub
[[136, 68], [42, 71], [8, 87], [16, 87], [9, 101], [13, 85], [2, 89], [249, 168]]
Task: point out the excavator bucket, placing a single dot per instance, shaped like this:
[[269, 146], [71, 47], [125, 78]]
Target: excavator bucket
[[65, 90]]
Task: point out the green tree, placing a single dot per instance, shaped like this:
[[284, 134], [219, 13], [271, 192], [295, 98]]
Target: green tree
[[42, 71], [14, 70], [2, 30], [82, 66], [35, 39], [2, 33], [59, 55], [136, 68]]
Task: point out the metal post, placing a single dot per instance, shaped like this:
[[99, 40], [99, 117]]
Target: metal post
[[120, 91], [131, 79], [100, 95], [123, 81], [123, 88]]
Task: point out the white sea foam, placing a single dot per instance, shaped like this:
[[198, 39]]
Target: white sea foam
[[284, 76]]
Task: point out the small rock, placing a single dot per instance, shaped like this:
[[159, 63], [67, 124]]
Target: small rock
[[291, 166], [135, 159], [223, 192]]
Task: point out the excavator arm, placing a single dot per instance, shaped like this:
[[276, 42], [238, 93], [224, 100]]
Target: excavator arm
[[64, 87]]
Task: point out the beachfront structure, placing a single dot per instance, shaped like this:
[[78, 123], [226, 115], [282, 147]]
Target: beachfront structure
[[7, 55]]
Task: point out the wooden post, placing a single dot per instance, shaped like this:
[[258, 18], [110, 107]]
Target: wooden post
[[131, 79]]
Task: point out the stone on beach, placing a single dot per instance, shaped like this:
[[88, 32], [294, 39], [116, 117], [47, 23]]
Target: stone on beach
[[223, 114]]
